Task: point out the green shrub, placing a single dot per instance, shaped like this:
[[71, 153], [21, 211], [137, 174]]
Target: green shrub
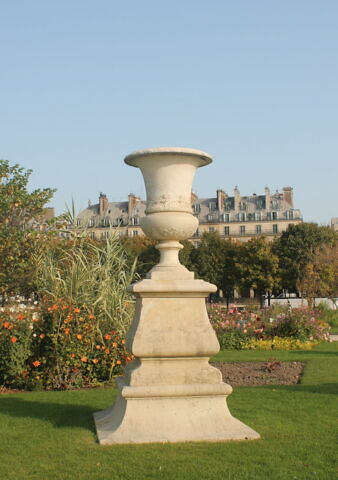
[[15, 344]]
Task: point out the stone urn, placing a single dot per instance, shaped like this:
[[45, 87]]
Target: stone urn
[[170, 392]]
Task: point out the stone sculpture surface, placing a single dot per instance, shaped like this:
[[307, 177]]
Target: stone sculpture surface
[[170, 392]]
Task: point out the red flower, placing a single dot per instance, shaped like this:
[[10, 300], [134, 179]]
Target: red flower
[[36, 363], [5, 324], [14, 339]]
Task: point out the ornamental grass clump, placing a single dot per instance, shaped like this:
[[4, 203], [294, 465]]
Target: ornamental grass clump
[[76, 335], [84, 272]]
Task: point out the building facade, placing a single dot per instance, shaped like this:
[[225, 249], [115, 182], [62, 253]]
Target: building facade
[[236, 217]]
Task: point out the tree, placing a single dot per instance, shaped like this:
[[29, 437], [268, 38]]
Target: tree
[[320, 277], [259, 267], [216, 261], [143, 249], [18, 241], [297, 247]]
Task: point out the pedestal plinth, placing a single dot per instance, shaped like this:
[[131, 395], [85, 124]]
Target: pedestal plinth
[[170, 393]]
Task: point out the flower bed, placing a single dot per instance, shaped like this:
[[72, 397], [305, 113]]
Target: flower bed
[[278, 328], [57, 346]]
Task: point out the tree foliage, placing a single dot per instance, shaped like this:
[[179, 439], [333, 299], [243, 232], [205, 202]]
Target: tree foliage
[[297, 247], [18, 241], [320, 276], [259, 266]]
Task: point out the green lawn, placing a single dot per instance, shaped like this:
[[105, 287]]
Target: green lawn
[[50, 435]]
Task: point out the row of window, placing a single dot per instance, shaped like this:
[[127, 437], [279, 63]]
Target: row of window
[[242, 230], [243, 217], [107, 222], [211, 217], [229, 205]]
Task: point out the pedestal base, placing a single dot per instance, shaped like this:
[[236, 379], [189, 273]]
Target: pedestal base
[[186, 413], [170, 392]]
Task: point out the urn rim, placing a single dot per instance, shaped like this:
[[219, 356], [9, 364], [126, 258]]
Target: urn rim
[[205, 158]]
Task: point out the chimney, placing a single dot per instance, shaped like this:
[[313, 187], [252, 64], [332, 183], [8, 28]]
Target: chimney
[[103, 203], [237, 199], [221, 196], [288, 195], [267, 198], [132, 201]]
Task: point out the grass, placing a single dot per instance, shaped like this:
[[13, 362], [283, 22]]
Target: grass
[[50, 435]]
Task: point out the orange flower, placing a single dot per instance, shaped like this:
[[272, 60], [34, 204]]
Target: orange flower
[[67, 331], [42, 335], [72, 355], [84, 359], [118, 362], [20, 316], [107, 351], [95, 360], [36, 363], [13, 339], [114, 344], [76, 310], [91, 316], [64, 307], [53, 307], [69, 318], [98, 347], [79, 336], [107, 337], [5, 324], [123, 342]]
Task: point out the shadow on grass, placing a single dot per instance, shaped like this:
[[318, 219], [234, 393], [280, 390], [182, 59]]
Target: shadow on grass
[[58, 415]]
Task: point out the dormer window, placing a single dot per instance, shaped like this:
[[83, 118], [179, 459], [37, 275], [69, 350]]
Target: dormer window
[[212, 206]]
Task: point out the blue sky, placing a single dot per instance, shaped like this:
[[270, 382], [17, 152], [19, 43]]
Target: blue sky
[[252, 82]]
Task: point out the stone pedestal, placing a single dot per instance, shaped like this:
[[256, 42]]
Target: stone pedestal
[[170, 392]]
